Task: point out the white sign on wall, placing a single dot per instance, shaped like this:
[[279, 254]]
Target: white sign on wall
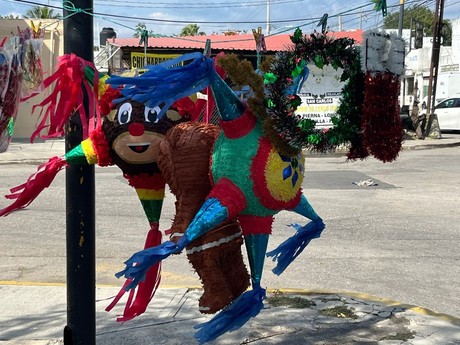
[[320, 94]]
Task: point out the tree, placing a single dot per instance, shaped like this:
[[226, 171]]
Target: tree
[[423, 15], [191, 30], [141, 27], [9, 16], [42, 12]]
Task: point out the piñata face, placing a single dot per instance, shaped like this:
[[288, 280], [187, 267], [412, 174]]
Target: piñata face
[[134, 132]]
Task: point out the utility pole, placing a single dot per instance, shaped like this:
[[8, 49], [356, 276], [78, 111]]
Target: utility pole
[[400, 28], [438, 18], [80, 198], [401, 17], [267, 31]]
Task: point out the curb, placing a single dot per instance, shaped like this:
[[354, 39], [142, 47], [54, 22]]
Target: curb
[[358, 295]]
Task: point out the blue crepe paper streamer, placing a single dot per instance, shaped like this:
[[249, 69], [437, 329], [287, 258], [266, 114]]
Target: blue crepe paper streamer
[[288, 251], [139, 263], [211, 214], [298, 82], [232, 317], [163, 84]]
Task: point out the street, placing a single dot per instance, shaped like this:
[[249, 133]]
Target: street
[[398, 239]]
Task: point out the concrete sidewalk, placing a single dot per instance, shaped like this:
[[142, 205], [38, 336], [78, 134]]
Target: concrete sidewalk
[[36, 315]]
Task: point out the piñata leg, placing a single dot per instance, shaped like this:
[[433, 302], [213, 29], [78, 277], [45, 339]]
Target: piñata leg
[[250, 303], [288, 251]]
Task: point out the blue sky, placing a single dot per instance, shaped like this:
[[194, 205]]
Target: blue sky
[[168, 17]]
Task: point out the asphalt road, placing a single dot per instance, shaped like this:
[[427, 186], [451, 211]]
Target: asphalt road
[[398, 239]]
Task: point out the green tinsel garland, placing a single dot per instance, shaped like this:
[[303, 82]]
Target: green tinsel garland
[[288, 131]]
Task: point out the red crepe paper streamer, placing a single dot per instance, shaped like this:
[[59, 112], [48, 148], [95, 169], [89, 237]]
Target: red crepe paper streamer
[[381, 124], [189, 109], [36, 183], [146, 181], [106, 101], [69, 84], [101, 147], [139, 298]]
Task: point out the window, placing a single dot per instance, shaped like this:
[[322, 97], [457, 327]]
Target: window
[[410, 86]]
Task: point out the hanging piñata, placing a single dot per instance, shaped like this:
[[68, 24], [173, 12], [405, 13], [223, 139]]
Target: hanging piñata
[[245, 171], [129, 136]]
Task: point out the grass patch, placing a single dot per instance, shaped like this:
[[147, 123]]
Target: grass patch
[[292, 302], [340, 312], [404, 336]]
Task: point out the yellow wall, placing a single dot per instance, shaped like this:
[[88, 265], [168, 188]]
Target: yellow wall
[[53, 46]]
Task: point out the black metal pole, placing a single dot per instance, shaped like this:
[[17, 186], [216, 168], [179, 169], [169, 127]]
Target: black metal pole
[[80, 200], [401, 17]]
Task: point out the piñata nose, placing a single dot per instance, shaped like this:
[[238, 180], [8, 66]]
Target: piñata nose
[[136, 129]]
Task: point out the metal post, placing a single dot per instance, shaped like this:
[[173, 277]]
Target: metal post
[[401, 17], [431, 102], [267, 31], [80, 200]]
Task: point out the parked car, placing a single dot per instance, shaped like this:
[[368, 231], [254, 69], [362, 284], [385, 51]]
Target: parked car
[[448, 112]]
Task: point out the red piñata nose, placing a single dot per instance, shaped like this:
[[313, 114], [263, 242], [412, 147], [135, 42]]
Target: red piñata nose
[[136, 129]]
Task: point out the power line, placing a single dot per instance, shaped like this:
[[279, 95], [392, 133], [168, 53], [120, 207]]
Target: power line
[[296, 21]]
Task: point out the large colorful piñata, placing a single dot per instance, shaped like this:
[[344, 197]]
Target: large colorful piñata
[[245, 170]]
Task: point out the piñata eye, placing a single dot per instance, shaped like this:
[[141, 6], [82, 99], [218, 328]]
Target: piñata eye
[[124, 113], [151, 114]]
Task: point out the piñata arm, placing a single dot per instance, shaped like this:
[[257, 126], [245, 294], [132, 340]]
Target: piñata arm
[[90, 151], [224, 202]]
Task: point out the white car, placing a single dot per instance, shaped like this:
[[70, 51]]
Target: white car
[[448, 112]]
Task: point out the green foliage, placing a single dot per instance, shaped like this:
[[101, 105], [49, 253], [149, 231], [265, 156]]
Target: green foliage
[[423, 15], [292, 302], [141, 27], [340, 312], [42, 12], [9, 16], [191, 30]]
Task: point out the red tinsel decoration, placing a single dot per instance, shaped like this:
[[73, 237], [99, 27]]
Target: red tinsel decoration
[[381, 124]]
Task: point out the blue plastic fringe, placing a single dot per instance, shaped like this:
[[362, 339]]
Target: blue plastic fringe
[[139, 263], [288, 251], [232, 317], [163, 84]]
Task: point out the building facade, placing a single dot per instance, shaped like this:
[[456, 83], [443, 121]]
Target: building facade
[[414, 87], [53, 46]]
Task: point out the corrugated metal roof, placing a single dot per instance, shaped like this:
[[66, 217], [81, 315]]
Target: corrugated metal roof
[[235, 42]]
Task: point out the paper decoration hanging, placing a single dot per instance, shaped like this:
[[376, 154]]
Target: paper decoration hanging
[[256, 168]]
